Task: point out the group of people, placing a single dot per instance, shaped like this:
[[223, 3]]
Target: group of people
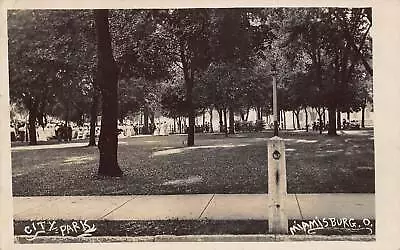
[[161, 128], [202, 128], [345, 125], [318, 125], [18, 131]]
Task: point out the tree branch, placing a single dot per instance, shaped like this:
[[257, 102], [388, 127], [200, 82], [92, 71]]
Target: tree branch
[[356, 49]]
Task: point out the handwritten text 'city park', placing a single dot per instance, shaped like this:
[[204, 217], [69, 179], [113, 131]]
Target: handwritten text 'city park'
[[342, 224], [78, 228]]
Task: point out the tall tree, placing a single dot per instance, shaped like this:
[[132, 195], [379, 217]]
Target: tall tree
[[187, 34], [37, 55], [50, 56], [144, 59], [234, 77], [107, 75], [337, 40]]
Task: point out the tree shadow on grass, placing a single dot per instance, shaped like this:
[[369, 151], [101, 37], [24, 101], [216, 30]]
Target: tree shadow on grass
[[188, 149]]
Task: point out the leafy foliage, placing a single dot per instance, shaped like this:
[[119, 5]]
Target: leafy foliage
[[50, 59], [184, 61]]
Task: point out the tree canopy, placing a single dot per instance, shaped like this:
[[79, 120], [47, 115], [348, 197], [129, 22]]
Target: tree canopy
[[184, 61]]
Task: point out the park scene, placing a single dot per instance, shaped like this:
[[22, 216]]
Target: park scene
[[250, 124]]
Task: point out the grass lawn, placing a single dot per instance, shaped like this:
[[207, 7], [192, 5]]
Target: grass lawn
[[238, 164]]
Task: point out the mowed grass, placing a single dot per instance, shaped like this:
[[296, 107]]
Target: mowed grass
[[238, 164]]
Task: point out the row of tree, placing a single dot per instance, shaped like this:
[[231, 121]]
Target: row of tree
[[183, 62]]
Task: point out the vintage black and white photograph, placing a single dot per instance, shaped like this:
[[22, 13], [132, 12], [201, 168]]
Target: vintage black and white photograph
[[192, 124]]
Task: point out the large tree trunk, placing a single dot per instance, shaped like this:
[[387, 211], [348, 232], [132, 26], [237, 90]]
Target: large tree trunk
[[348, 116], [188, 76], [294, 124], [242, 116], [332, 123], [221, 123], [363, 117], [191, 114], [32, 124], [247, 114], [152, 123], [174, 128], [180, 124], [319, 111], [93, 117], [231, 121], [152, 118], [339, 122], [258, 113], [146, 129], [66, 117], [108, 82], [298, 119]]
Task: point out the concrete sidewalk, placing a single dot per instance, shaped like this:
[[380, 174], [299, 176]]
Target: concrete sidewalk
[[191, 207]]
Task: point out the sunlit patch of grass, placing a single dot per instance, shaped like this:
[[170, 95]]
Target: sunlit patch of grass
[[186, 181], [78, 159], [184, 149]]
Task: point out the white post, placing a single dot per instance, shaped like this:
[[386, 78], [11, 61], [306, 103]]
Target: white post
[[277, 190]]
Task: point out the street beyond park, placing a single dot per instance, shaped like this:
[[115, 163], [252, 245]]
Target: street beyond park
[[155, 165]]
